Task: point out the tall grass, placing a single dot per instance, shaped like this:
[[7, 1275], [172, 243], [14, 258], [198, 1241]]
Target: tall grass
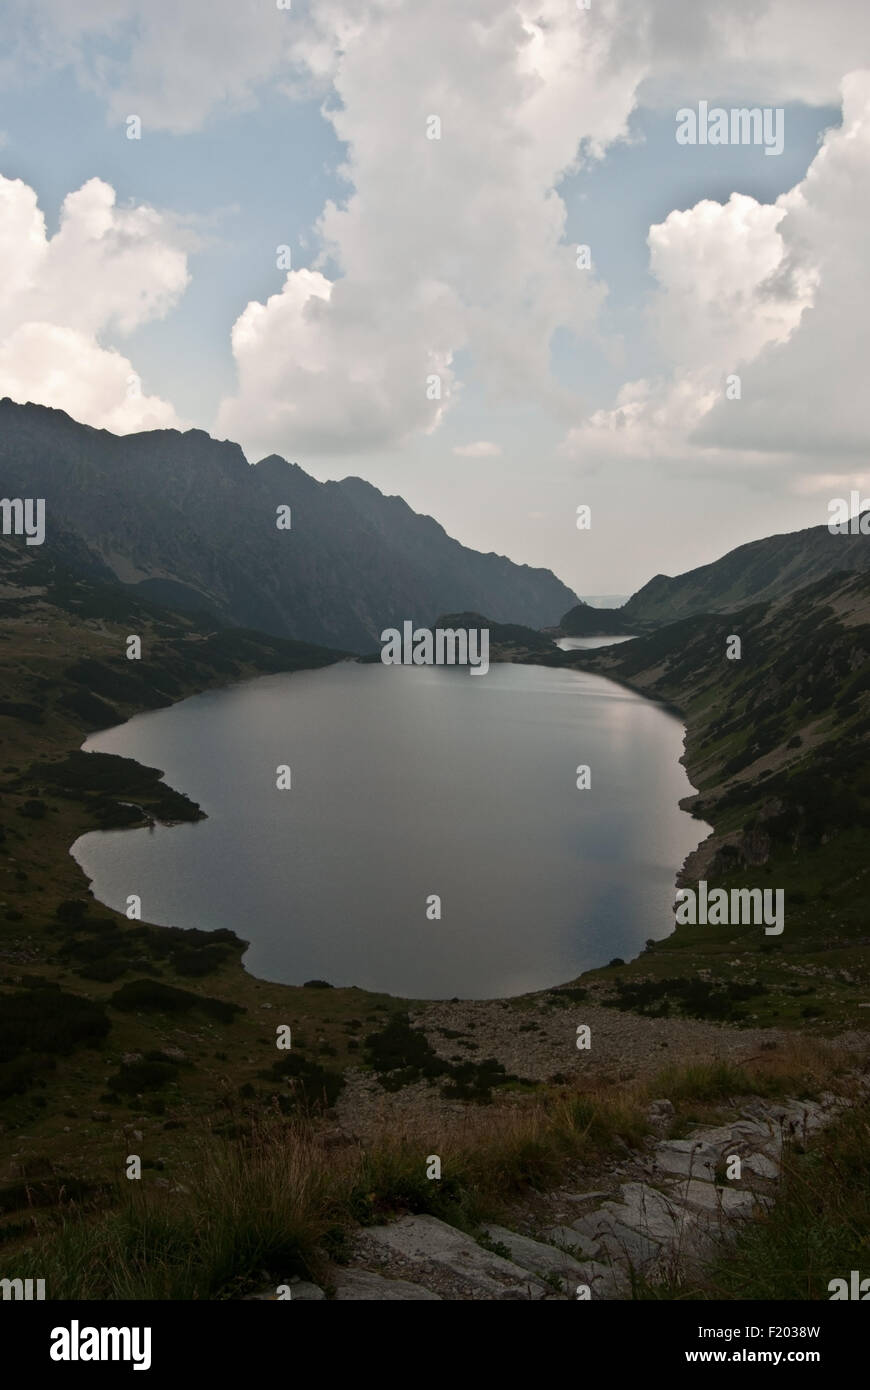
[[266, 1207], [797, 1068], [252, 1209], [817, 1230], [256, 1210]]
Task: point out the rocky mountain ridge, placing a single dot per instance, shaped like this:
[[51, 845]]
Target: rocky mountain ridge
[[186, 521]]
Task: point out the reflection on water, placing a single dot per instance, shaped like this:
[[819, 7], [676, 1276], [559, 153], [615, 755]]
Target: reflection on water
[[406, 783]]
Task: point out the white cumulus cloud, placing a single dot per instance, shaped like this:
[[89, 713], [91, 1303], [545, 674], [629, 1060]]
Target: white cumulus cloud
[[808, 395], [448, 258], [172, 64], [176, 65], [775, 294], [727, 289], [445, 245], [105, 271], [457, 245]]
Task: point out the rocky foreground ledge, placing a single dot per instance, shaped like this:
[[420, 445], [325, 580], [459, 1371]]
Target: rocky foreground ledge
[[662, 1224]]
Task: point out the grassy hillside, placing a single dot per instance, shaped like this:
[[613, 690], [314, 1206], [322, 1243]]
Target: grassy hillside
[[778, 745], [81, 987], [585, 621], [121, 1037], [764, 570]]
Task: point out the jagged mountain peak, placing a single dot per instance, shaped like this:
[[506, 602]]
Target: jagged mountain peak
[[184, 518]]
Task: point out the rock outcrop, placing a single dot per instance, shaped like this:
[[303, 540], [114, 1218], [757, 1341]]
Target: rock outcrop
[[664, 1224]]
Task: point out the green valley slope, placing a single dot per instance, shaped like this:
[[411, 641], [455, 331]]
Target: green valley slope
[[778, 745], [771, 568]]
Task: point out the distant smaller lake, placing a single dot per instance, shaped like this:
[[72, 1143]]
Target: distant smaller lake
[[586, 644]]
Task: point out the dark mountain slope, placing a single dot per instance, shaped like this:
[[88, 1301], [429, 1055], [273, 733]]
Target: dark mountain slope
[[778, 744], [191, 524], [766, 569], [586, 621]]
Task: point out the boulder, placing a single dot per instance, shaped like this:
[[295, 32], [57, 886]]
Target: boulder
[[540, 1258], [686, 1157], [424, 1240], [572, 1238]]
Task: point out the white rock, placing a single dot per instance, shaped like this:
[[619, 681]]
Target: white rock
[[646, 1210], [761, 1165], [719, 1138], [623, 1244], [750, 1131], [574, 1239], [663, 1107], [355, 1285], [592, 1225], [535, 1255], [705, 1197], [686, 1156], [426, 1240]]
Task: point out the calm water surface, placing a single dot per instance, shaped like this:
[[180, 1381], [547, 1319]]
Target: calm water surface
[[406, 782]]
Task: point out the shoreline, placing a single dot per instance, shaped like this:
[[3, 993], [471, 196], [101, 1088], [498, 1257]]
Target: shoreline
[[149, 822], [222, 1075]]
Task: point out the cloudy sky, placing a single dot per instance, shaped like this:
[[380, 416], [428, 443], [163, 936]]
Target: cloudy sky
[[286, 258]]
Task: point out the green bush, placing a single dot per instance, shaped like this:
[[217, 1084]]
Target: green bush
[[49, 1020], [402, 1055], [689, 996], [311, 1085], [153, 995], [134, 1077], [71, 910]]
